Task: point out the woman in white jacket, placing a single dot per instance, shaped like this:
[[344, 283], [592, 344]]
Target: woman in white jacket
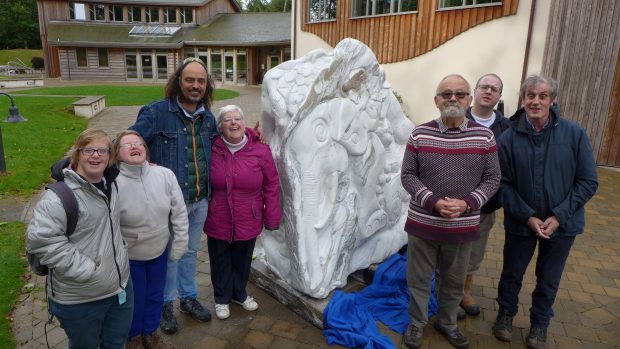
[[154, 225]]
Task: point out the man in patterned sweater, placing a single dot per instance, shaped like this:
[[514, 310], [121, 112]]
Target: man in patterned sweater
[[450, 169]]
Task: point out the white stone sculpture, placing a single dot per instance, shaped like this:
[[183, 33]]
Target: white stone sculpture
[[338, 136]]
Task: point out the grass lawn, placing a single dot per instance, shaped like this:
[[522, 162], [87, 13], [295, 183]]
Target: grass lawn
[[24, 55], [12, 268], [118, 95], [31, 147]]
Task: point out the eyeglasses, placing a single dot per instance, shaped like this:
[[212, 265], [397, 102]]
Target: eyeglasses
[[132, 145], [486, 87], [91, 151], [448, 95]]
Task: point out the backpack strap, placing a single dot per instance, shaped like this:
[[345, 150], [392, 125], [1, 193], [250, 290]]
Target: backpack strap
[[69, 202]]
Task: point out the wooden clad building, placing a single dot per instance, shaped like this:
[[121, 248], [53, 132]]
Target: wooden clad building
[[140, 40]]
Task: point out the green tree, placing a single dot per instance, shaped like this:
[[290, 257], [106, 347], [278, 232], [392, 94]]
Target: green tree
[[19, 24], [267, 5]]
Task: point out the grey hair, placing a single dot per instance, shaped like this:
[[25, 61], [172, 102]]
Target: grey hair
[[454, 76], [225, 110], [534, 80]]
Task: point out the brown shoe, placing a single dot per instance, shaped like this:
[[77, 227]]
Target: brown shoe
[[468, 303], [156, 341], [134, 343]]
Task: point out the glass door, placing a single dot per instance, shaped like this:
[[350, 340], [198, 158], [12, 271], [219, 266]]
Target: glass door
[[131, 65], [147, 66], [216, 65], [162, 66], [228, 60]]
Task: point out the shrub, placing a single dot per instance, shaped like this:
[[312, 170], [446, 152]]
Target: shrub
[[37, 63]]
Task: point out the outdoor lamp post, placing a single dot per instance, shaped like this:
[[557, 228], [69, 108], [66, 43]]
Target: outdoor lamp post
[[13, 117]]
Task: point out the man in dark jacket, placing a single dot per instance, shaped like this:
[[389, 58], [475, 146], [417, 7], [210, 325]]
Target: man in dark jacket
[[548, 175], [486, 95]]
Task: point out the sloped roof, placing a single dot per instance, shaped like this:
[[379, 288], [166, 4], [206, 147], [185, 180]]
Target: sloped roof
[[248, 29], [162, 2], [242, 29]]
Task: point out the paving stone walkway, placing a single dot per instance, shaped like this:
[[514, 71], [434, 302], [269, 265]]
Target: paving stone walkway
[[587, 311]]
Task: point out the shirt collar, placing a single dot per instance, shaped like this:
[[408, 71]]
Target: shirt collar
[[200, 110], [531, 126], [443, 128]]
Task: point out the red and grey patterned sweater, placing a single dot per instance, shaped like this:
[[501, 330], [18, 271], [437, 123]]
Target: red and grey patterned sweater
[[442, 162]]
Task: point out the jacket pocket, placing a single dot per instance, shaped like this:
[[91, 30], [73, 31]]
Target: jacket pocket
[[257, 209], [166, 147]]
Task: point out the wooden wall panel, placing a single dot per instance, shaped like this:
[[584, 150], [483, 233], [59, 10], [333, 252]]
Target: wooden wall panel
[[582, 54], [206, 13], [70, 70], [395, 38]]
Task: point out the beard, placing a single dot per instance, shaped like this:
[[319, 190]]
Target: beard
[[452, 111]]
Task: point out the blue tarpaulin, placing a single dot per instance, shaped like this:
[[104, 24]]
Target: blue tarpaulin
[[350, 318]]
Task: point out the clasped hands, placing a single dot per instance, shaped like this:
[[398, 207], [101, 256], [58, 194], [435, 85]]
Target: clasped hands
[[545, 229], [450, 208]]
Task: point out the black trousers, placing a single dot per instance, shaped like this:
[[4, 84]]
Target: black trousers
[[230, 268]]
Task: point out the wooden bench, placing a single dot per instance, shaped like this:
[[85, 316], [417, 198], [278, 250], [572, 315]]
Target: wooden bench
[[89, 106]]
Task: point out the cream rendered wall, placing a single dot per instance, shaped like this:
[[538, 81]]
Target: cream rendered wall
[[497, 46]]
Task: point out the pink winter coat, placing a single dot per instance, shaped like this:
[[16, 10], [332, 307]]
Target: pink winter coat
[[244, 191]]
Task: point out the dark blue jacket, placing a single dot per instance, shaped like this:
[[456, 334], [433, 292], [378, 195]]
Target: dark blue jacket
[[498, 126], [568, 170], [161, 125]]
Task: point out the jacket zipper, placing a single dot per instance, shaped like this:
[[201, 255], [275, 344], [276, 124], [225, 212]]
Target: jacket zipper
[[194, 150]]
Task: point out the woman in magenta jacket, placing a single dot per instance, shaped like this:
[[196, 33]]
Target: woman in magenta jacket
[[244, 198]]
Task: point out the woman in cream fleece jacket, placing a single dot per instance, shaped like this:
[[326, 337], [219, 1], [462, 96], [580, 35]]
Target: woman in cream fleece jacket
[[153, 217]]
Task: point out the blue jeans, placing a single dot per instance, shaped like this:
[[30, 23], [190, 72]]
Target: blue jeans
[[149, 278], [181, 274], [552, 255], [100, 324]]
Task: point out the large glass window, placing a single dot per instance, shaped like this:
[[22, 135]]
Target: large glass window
[[362, 8], [134, 13], [188, 52], [216, 64], [97, 12], [451, 4], [242, 67], [81, 56], [77, 10], [115, 13], [321, 10], [131, 64], [170, 14], [152, 14], [187, 15], [102, 54]]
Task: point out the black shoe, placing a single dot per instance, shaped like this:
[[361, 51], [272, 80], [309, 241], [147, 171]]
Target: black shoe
[[537, 338], [455, 336], [195, 309], [471, 310], [413, 336], [461, 314], [168, 323], [502, 329]]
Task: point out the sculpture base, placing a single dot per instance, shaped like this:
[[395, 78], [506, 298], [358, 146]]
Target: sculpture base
[[309, 308]]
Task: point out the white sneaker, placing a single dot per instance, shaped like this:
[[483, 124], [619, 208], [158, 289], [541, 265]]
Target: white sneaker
[[222, 311], [249, 304]]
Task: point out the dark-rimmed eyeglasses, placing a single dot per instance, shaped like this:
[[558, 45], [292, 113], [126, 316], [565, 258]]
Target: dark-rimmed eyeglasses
[[448, 95], [92, 151], [486, 87]]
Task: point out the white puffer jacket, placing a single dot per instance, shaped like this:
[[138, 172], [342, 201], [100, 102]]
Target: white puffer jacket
[[97, 238]]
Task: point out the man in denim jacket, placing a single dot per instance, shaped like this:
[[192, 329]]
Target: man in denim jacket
[[179, 130]]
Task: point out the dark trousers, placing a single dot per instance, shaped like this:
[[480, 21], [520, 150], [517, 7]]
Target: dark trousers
[[149, 278], [230, 268], [550, 262]]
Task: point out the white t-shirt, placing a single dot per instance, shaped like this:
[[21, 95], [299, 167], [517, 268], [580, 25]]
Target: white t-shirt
[[484, 122]]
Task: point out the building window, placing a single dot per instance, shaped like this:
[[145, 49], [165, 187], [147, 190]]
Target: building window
[[170, 15], [102, 54], [115, 13], [363, 8], [97, 12], [321, 10], [453, 4], [81, 56], [134, 14], [187, 15], [188, 52], [77, 10], [152, 14]]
